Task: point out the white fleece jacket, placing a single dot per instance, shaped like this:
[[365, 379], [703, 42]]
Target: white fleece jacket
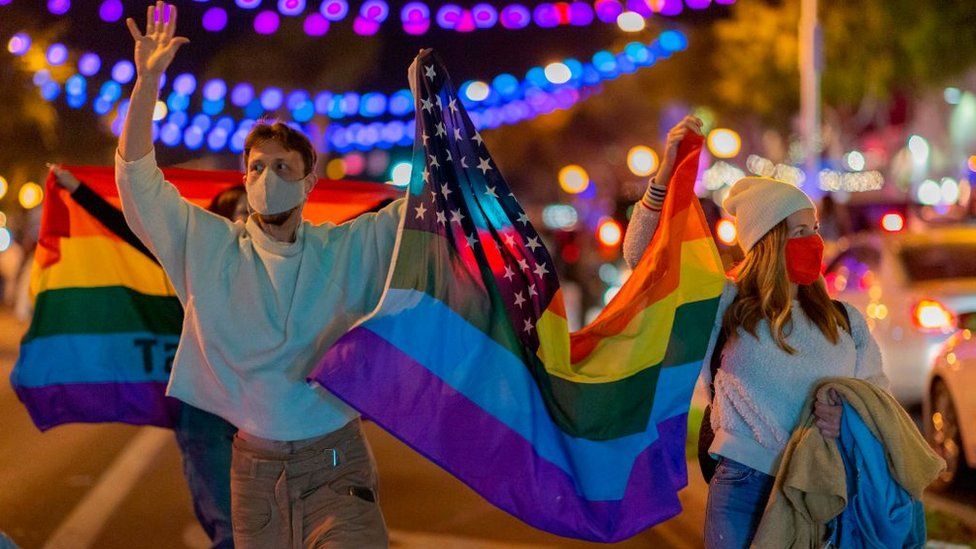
[[258, 312]]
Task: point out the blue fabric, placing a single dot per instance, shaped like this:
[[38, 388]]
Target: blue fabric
[[737, 497], [205, 442], [879, 513]]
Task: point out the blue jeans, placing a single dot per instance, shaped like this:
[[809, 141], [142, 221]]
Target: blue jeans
[[205, 442], [737, 497]]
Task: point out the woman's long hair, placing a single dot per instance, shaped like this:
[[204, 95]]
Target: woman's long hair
[[765, 292]]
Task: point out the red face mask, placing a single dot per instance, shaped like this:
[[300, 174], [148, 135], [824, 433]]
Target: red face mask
[[804, 257]]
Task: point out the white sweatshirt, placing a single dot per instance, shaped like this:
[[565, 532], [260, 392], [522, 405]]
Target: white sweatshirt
[[258, 313]]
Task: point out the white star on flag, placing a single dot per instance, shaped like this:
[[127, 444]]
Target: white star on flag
[[519, 300], [426, 105], [523, 264], [528, 326], [532, 291], [440, 105], [477, 138], [426, 175], [431, 73], [510, 240], [533, 243], [471, 240], [540, 269], [434, 162], [483, 165], [445, 190], [464, 162], [490, 191], [441, 218], [440, 129], [453, 106], [509, 273], [421, 210], [426, 138], [449, 157], [456, 216], [433, 196], [523, 219], [457, 132]]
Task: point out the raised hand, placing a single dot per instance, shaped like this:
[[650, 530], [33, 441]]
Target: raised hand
[[64, 178], [156, 49], [675, 136]]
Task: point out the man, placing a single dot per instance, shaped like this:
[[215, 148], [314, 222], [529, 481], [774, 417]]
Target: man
[[262, 301]]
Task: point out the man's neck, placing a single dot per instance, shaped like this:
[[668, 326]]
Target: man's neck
[[286, 232]]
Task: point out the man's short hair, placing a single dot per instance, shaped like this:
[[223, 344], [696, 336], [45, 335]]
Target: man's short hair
[[289, 138]]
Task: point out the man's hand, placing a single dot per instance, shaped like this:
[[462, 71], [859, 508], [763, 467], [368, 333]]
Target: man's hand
[[828, 415], [675, 136], [413, 68], [64, 178], [155, 49]]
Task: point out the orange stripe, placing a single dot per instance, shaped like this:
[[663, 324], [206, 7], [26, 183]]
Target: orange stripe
[[652, 280]]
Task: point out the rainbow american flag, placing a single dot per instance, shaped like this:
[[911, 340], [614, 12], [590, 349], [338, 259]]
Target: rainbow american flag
[[469, 360], [106, 320]]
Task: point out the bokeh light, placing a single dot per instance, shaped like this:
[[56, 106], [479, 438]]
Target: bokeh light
[[642, 160], [31, 195], [400, 174], [335, 168], [725, 229], [609, 232], [478, 91], [724, 143], [19, 44], [573, 179], [558, 73], [630, 21]]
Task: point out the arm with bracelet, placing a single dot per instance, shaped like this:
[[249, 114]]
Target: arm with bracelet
[[647, 212]]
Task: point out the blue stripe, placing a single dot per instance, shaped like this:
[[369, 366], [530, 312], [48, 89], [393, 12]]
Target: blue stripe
[[94, 358], [497, 381]]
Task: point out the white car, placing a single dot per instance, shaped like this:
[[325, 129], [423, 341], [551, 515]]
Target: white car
[[911, 287], [949, 411]]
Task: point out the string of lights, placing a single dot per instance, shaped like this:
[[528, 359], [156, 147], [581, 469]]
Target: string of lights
[[417, 17], [213, 96]]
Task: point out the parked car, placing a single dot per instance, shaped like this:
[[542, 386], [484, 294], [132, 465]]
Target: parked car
[[911, 287], [949, 411]]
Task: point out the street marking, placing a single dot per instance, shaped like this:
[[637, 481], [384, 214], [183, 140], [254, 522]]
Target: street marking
[[81, 528]]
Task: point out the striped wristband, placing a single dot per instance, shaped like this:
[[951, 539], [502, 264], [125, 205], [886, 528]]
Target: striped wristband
[[653, 198]]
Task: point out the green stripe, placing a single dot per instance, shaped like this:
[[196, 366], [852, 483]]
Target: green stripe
[[596, 411], [603, 411], [103, 310]]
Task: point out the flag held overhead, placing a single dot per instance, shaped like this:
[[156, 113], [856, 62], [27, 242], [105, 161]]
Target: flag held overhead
[[469, 360]]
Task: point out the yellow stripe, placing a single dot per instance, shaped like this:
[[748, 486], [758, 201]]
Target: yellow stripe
[[644, 341], [94, 261]]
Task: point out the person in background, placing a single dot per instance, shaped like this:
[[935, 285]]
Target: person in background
[[783, 335], [204, 438]]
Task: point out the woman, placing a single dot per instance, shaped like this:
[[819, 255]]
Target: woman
[[783, 333]]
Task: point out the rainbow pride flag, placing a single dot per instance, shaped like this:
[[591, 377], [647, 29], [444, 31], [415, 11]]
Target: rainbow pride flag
[[106, 319], [468, 358]]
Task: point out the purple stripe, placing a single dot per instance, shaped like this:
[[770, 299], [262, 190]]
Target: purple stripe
[[133, 403], [417, 407]]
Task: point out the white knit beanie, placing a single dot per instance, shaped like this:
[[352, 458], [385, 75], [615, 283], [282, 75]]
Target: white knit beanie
[[759, 203]]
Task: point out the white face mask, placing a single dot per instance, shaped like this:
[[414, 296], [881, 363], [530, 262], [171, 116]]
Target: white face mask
[[269, 194]]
